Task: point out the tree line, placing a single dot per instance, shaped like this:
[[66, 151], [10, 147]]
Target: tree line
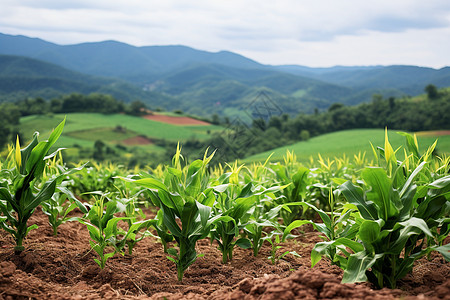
[[11, 112]]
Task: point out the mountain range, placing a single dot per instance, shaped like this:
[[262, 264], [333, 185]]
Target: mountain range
[[195, 81]]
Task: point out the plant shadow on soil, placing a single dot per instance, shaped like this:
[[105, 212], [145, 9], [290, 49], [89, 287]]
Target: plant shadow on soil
[[62, 267]]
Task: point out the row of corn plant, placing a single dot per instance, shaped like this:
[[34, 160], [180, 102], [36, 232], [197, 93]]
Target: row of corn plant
[[377, 217], [394, 214]]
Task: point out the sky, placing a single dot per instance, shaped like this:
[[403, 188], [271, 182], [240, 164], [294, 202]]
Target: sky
[[319, 33]]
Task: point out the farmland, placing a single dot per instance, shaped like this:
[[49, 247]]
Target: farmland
[[371, 227], [350, 143], [121, 133], [81, 122]]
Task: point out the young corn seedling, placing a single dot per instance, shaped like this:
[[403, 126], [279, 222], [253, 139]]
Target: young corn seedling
[[137, 229], [18, 199], [261, 219], [102, 227], [59, 206], [296, 181], [233, 204], [274, 239], [62, 201], [338, 228], [184, 195]]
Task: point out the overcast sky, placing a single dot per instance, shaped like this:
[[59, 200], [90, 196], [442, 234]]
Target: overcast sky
[[317, 33]]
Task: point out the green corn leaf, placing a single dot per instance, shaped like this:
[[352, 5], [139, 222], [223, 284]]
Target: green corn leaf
[[205, 212], [295, 224], [319, 250], [411, 178], [72, 197], [243, 243], [149, 183], [111, 209], [413, 226], [29, 228], [380, 185], [188, 217], [411, 143], [369, 232], [357, 266], [94, 232], [407, 199], [170, 222], [355, 196], [445, 251], [44, 194], [98, 262], [111, 227], [5, 195], [172, 201]]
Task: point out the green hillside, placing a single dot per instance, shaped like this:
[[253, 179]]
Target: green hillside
[[350, 142]]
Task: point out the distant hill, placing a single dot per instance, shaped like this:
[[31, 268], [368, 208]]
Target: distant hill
[[22, 77], [406, 79], [195, 81]]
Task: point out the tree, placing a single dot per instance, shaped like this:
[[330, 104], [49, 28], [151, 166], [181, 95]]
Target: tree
[[432, 91], [136, 108]]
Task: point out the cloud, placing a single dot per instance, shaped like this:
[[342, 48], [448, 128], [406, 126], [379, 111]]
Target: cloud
[[263, 28]]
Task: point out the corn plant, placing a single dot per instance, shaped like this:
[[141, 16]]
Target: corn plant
[[59, 206], [261, 219], [339, 230], [21, 193], [138, 226], [102, 226], [296, 181], [274, 239], [233, 204], [183, 195], [95, 177], [397, 213], [63, 200]]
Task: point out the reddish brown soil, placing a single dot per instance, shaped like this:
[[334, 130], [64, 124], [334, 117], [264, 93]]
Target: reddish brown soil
[[137, 140], [433, 133], [175, 120], [63, 268]]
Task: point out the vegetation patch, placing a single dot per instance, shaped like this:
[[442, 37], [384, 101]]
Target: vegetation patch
[[117, 133]]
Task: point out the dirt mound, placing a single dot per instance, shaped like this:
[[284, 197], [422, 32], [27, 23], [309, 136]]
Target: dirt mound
[[62, 267], [175, 120]]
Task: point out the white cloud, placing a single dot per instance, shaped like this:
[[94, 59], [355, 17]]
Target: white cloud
[[319, 33]]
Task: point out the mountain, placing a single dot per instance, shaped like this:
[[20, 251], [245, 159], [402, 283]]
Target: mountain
[[111, 58], [22, 77], [405, 79], [201, 82]]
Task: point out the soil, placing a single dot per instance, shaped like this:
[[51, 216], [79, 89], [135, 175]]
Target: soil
[[62, 267], [175, 120], [137, 140], [433, 133]]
